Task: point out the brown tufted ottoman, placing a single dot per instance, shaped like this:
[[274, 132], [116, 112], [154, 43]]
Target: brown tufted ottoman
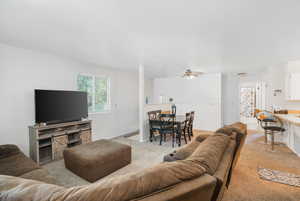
[[97, 159]]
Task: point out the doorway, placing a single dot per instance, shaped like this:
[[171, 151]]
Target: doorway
[[247, 104], [252, 97]]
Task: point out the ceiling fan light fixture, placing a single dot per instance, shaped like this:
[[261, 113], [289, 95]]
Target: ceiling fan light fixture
[[242, 74], [188, 74], [189, 77]]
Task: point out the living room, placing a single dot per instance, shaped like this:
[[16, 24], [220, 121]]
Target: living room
[[142, 100]]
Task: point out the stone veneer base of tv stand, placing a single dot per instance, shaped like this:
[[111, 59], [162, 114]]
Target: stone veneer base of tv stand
[[47, 142]]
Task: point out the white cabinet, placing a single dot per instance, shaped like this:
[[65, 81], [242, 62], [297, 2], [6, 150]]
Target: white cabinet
[[293, 86]]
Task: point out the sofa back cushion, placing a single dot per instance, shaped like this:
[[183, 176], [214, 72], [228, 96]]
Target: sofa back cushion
[[209, 153], [17, 165], [203, 135], [239, 129], [7, 150], [122, 188]]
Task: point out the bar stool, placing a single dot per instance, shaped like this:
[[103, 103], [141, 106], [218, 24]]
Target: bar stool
[[271, 125]]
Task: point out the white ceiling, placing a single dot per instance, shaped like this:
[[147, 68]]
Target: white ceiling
[[166, 36]]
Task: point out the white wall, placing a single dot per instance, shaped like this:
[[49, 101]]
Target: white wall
[[21, 71], [149, 82], [202, 94], [230, 98]]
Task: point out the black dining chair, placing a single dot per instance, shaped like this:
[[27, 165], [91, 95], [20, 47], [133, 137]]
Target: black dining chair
[[167, 127], [185, 128], [154, 124], [191, 123]]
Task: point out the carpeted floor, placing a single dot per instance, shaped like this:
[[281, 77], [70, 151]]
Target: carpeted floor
[[245, 184], [144, 155]]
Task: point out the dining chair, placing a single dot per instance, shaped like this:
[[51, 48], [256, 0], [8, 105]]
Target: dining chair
[[167, 127], [185, 127], [191, 123], [154, 125]]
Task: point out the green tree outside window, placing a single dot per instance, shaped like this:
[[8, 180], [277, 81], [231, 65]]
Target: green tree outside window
[[97, 89]]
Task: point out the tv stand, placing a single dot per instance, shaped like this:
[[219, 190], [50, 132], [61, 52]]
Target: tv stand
[[47, 142]]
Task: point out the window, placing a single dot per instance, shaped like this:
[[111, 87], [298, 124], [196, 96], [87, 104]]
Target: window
[[98, 90]]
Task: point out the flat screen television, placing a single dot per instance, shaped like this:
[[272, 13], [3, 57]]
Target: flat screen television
[[52, 106]]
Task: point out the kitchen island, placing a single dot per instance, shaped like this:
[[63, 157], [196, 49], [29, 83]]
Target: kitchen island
[[291, 137]]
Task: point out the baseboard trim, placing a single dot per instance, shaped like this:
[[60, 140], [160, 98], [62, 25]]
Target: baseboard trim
[[127, 134]]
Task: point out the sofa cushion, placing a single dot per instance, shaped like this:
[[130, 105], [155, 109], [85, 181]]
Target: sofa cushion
[[7, 150], [228, 130], [16, 165], [203, 135], [40, 175], [122, 188], [209, 153], [241, 126], [239, 129]]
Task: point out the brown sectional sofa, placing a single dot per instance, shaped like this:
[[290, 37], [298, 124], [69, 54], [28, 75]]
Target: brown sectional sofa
[[200, 174]]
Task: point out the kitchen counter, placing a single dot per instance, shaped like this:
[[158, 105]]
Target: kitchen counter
[[291, 136], [291, 118]]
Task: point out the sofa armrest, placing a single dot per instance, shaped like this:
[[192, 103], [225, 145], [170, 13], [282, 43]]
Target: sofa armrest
[[7, 150], [182, 153], [187, 150]]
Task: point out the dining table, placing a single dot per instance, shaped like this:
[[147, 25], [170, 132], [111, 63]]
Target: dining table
[[179, 120]]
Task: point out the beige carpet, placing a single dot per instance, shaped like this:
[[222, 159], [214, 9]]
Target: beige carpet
[[144, 155], [245, 184]]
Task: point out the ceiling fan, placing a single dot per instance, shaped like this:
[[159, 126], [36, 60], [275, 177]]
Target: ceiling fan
[[189, 74]]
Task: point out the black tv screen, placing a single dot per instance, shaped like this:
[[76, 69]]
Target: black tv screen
[[53, 106]]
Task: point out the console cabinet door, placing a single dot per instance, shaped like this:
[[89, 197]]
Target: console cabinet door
[[59, 144], [86, 137]]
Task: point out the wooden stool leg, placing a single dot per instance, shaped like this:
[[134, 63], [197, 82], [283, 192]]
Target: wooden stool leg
[[266, 137]]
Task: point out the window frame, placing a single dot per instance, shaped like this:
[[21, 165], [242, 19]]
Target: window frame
[[108, 88]]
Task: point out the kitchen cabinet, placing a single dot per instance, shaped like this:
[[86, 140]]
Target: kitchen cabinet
[[291, 135], [293, 87]]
